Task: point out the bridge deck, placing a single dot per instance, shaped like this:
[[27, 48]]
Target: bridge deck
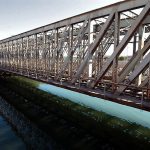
[[139, 102]]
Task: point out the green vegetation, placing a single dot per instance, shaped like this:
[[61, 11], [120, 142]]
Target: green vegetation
[[121, 58], [121, 134]]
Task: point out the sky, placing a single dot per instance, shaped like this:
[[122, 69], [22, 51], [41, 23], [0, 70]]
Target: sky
[[17, 16]]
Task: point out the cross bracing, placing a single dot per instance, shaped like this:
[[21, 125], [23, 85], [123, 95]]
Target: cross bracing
[[87, 48]]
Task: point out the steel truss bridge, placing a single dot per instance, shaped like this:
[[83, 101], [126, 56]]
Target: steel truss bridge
[[86, 50]]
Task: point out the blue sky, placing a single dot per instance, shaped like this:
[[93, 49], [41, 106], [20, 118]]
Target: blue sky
[[18, 16]]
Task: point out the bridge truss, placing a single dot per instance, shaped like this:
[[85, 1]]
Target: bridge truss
[[86, 49]]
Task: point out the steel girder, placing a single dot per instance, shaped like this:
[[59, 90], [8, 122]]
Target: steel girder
[[93, 46], [123, 43]]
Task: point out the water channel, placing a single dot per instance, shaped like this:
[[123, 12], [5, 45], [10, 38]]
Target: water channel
[[9, 140], [18, 133]]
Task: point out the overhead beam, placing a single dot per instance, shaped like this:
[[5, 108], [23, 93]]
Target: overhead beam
[[122, 6]]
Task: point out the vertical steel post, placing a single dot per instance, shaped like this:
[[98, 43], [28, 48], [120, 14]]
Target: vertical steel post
[[27, 54], [69, 49], [21, 56], [140, 46], [44, 50], [56, 48], [116, 42], [90, 40], [36, 56]]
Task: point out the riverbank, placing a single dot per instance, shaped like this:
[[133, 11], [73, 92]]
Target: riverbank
[[33, 137], [67, 134], [113, 133], [9, 138]]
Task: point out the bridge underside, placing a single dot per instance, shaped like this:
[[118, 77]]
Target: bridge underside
[[107, 49]]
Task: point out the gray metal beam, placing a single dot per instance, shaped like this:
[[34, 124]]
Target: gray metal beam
[[144, 63], [123, 43], [59, 47], [116, 42], [74, 47], [122, 6], [131, 64], [91, 49]]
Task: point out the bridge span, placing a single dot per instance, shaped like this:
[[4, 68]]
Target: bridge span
[[105, 51]]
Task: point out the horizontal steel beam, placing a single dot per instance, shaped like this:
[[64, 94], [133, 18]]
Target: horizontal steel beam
[[121, 6]]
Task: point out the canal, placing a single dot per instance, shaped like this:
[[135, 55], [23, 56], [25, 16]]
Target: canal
[[9, 140], [17, 132], [49, 117]]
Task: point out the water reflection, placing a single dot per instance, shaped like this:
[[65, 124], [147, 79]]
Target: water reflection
[[33, 137], [130, 114], [8, 139]]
